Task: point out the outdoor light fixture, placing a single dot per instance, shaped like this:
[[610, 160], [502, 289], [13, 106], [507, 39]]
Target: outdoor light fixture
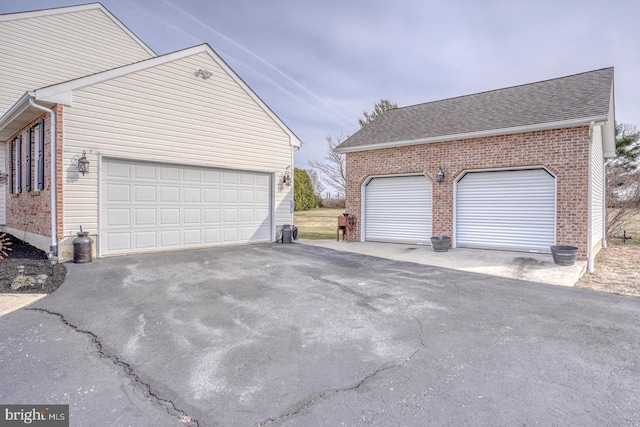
[[440, 175], [286, 179], [53, 259], [41, 279], [83, 163]]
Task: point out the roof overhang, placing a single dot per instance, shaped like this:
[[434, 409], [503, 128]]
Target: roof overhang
[[19, 116], [586, 121]]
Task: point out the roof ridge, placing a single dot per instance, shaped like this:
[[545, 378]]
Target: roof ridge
[[504, 88]]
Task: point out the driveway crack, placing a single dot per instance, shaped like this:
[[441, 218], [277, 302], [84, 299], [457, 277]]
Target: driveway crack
[[327, 394], [129, 372]]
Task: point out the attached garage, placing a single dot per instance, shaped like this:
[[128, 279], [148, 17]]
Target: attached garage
[[510, 209], [152, 206], [398, 209]]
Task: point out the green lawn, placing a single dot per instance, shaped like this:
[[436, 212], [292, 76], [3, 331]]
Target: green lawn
[[317, 223]]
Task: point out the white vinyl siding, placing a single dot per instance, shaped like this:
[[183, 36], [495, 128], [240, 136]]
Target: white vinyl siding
[[398, 209], [53, 48], [153, 206], [167, 114], [510, 210], [597, 187], [3, 192]]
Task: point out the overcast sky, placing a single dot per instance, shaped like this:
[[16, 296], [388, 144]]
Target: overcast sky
[[319, 63]]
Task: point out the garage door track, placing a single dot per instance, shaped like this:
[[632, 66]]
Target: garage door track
[[306, 336]]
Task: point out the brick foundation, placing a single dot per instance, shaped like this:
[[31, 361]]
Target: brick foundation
[[564, 152]]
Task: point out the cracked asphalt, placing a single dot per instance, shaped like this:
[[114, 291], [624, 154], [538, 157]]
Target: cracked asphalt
[[297, 335]]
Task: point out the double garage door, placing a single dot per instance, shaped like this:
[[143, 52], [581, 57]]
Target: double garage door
[[511, 210], [150, 206]]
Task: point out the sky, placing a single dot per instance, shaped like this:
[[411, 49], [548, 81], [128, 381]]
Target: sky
[[318, 64]]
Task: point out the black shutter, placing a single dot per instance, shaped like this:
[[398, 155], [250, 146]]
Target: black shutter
[[12, 145], [19, 164], [28, 165], [40, 148]]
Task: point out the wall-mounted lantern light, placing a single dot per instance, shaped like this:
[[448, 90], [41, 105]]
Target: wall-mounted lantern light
[[286, 179], [440, 175], [83, 163]]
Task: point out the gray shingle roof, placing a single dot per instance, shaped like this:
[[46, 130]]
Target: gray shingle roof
[[574, 97]]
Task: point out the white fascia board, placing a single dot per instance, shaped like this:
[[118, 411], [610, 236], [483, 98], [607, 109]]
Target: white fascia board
[[15, 110], [481, 134], [62, 91], [71, 9], [609, 131]]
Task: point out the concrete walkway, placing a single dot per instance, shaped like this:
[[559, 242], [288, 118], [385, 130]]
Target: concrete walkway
[[12, 302], [513, 265]]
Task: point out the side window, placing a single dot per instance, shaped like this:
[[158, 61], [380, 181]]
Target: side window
[[19, 164], [29, 152], [39, 148], [12, 156]]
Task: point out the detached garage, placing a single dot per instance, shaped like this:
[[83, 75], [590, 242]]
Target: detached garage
[[520, 168]]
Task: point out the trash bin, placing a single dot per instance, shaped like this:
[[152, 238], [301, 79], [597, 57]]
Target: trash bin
[[286, 234]]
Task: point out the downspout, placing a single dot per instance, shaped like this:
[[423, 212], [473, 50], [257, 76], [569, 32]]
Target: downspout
[[54, 211], [604, 204], [590, 258]]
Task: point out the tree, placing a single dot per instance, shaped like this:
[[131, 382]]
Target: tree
[[627, 146], [623, 180], [318, 186], [333, 167], [304, 197], [378, 109]]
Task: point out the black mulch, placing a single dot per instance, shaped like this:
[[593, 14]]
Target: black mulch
[[35, 262]]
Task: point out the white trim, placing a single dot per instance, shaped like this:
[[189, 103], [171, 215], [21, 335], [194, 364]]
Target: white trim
[[480, 134], [466, 171], [62, 93], [71, 9], [590, 260]]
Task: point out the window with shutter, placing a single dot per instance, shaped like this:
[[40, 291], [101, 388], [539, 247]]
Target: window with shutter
[[12, 151], [19, 164], [40, 148], [28, 159]]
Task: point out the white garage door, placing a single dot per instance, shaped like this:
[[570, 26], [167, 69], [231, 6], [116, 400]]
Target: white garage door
[[152, 206], [398, 209], [512, 210]]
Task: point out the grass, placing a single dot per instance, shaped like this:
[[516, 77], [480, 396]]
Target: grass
[[631, 225], [318, 223]]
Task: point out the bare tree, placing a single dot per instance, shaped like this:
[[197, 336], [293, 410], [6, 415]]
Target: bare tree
[[318, 186], [333, 167]]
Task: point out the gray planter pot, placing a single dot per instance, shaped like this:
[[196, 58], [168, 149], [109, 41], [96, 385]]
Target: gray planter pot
[[564, 255], [440, 244]]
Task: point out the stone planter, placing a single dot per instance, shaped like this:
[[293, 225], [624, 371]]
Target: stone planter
[[564, 255], [440, 244]]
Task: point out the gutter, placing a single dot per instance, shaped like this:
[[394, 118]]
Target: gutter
[[54, 211], [590, 257], [478, 134]]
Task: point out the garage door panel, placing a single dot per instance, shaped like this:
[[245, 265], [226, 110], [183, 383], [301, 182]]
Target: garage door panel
[[398, 209], [147, 206], [513, 210]]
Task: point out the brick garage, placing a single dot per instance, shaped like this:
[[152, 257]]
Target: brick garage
[[563, 126]]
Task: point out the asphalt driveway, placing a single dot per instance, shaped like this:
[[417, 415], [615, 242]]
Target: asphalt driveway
[[298, 335]]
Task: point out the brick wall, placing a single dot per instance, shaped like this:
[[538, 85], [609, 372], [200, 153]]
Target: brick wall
[[564, 152], [30, 211]]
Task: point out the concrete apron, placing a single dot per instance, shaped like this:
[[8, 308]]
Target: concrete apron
[[514, 265], [12, 302]]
